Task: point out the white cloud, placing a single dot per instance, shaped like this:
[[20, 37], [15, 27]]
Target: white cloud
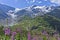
[[33, 0], [2, 3], [45, 0], [26, 0], [55, 1], [39, 2], [13, 16], [11, 13]]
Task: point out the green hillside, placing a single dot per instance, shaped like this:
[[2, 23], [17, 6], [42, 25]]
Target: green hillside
[[38, 28]]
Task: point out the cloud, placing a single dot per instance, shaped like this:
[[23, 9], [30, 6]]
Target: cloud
[[2, 3], [30, 1], [40, 2], [11, 13], [33, 0], [45, 0], [55, 1], [27, 1]]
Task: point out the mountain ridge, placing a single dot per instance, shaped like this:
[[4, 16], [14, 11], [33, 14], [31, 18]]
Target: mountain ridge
[[15, 14]]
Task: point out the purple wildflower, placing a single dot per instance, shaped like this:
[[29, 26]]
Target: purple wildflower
[[44, 32], [34, 38], [12, 36], [13, 33], [29, 36], [7, 31]]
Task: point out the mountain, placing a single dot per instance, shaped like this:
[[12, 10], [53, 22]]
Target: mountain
[[7, 11], [34, 10], [41, 21], [3, 13], [55, 12], [36, 21], [16, 14], [50, 14]]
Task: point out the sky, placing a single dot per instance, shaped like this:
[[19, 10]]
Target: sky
[[27, 3]]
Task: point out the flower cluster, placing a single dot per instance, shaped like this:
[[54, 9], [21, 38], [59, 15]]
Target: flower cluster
[[7, 31], [43, 36]]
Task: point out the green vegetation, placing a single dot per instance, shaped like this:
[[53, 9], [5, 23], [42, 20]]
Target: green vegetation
[[38, 28]]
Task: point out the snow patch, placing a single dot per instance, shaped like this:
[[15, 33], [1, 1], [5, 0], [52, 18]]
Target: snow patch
[[16, 10]]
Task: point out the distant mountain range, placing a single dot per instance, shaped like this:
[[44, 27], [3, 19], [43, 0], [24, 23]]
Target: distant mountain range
[[14, 14], [3, 13], [55, 12]]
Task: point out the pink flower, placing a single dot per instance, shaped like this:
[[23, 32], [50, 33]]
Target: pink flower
[[12, 36], [29, 36], [7, 31], [13, 33]]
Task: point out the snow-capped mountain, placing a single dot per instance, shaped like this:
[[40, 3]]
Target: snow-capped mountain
[[15, 14], [55, 12], [3, 13], [3, 10], [34, 10]]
